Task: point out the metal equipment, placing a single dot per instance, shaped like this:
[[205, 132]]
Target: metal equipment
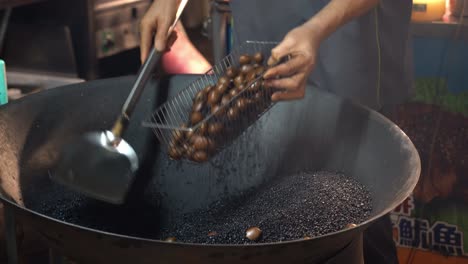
[[102, 164], [321, 131], [249, 101]]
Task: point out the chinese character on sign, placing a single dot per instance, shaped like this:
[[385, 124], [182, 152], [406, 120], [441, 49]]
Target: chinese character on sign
[[405, 231], [447, 239], [414, 232], [421, 234]]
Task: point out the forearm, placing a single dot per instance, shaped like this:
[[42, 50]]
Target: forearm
[[336, 14]]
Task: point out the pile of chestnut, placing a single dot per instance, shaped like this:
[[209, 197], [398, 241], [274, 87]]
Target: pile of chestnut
[[237, 97]]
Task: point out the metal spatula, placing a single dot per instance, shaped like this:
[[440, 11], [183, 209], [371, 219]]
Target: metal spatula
[[102, 165]]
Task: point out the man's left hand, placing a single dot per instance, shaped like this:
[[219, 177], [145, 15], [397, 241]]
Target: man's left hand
[[301, 46]]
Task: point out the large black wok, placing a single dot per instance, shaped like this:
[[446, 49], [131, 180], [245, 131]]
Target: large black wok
[[319, 132]]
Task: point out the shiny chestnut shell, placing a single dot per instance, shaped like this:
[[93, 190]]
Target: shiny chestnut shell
[[218, 111], [196, 117], [241, 104], [250, 76], [258, 57], [222, 88], [244, 59], [189, 134], [208, 89], [240, 88], [253, 233], [259, 71], [215, 128], [200, 156], [226, 99], [198, 106], [189, 150], [231, 72], [223, 80], [239, 80], [200, 143], [213, 97], [175, 152], [233, 113], [200, 96], [255, 87], [245, 69], [202, 129], [170, 239], [177, 136], [233, 92]]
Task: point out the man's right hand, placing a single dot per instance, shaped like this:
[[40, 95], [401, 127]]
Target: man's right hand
[[157, 19]]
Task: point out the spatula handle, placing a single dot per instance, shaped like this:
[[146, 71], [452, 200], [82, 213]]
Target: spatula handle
[[144, 74]]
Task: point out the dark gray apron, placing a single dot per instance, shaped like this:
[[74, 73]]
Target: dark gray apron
[[368, 60]]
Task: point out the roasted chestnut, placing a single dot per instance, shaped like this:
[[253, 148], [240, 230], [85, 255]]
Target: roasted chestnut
[[198, 106], [218, 111], [222, 88], [233, 113], [226, 99], [259, 71], [244, 59], [170, 239], [253, 233], [200, 156], [239, 80], [196, 117], [200, 96], [208, 89], [189, 150], [189, 134], [251, 75], [254, 87], [259, 99], [200, 142], [223, 80], [215, 128], [231, 72], [245, 69], [241, 104], [177, 136], [213, 97], [240, 88], [202, 129], [175, 152], [258, 57], [233, 92]]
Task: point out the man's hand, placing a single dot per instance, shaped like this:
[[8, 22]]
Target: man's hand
[[302, 44], [302, 47], [157, 19]]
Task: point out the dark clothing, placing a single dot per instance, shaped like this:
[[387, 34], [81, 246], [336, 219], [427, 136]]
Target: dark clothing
[[368, 60]]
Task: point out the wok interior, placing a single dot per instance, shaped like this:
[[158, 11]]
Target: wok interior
[[321, 132]]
